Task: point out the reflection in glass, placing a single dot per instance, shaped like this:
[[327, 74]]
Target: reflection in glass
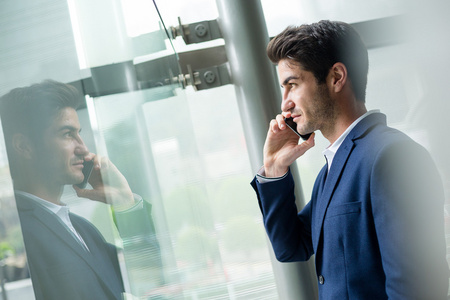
[[45, 154], [13, 262], [196, 173], [194, 230]]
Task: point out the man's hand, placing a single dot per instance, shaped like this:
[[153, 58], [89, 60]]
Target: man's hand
[[281, 148], [108, 184]]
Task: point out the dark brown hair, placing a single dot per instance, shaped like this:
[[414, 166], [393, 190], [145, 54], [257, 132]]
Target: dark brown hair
[[31, 110], [318, 46]]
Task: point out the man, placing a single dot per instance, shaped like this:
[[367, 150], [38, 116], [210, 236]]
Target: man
[[375, 219], [67, 256]]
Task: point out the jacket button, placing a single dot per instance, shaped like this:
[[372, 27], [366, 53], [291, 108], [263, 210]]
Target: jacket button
[[321, 279]]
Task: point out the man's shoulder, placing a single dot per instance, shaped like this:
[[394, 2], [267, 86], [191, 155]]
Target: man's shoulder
[[374, 129], [381, 136], [27, 206], [382, 145]]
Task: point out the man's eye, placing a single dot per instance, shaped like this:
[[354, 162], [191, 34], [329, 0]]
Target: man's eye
[[288, 85]]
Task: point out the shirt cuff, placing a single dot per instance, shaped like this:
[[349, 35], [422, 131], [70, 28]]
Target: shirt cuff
[[138, 204], [261, 176]]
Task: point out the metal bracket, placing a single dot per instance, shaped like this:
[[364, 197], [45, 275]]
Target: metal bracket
[[196, 32], [209, 67], [202, 69], [207, 78]]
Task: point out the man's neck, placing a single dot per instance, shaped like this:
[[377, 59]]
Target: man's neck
[[51, 194], [344, 119]]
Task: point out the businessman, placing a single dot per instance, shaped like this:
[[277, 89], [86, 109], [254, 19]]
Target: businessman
[[67, 256], [375, 219]]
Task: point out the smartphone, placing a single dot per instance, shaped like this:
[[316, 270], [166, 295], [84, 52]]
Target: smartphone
[[87, 170], [292, 125]]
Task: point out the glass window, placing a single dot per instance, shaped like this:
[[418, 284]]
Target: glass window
[[179, 218], [196, 173]]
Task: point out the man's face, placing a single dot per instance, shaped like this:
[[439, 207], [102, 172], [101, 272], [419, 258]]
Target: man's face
[[61, 153], [310, 103]]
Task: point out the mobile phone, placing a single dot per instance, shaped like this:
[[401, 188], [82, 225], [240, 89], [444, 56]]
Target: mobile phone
[[292, 125], [87, 170]]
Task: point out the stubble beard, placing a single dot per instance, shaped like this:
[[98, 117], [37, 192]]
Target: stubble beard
[[322, 115]]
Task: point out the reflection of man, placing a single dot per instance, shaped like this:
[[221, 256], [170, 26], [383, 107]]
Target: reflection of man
[[375, 219], [67, 256]]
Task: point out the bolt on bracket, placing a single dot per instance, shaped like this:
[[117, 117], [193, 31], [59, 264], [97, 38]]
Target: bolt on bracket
[[196, 32]]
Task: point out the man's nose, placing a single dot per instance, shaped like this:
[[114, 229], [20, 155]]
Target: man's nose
[[81, 148], [287, 104]]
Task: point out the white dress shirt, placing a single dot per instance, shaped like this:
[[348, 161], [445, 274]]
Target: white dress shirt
[[331, 150]]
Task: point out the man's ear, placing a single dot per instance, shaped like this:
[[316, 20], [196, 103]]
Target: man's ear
[[338, 77], [22, 146]]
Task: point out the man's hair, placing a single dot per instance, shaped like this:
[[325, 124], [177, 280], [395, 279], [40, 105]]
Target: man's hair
[[318, 46], [31, 110]]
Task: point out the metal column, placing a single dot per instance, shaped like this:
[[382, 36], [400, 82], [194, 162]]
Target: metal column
[[258, 94]]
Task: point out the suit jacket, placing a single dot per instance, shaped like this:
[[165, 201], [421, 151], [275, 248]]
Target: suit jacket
[[374, 222], [60, 267]]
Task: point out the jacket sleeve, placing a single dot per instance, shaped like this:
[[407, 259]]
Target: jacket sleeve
[[137, 229], [288, 231], [407, 202], [141, 247]]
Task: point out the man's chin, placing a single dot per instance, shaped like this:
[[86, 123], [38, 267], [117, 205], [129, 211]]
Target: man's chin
[[305, 130], [76, 180]]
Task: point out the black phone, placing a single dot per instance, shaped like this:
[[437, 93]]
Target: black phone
[[292, 125], [87, 170]]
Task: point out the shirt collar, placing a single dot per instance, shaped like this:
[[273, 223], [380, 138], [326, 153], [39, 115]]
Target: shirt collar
[[55, 208], [331, 150]]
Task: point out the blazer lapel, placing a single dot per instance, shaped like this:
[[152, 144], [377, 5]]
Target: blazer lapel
[[99, 261], [333, 176], [336, 170], [61, 231], [29, 209]]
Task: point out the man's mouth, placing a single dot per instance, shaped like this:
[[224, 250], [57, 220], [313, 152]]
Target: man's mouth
[[295, 117], [78, 163]]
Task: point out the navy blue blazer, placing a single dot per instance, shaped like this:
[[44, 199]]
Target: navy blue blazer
[[60, 267], [375, 222]]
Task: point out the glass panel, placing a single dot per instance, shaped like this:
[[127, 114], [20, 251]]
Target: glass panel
[[191, 163], [36, 43], [194, 230], [189, 12], [14, 273], [71, 257]]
